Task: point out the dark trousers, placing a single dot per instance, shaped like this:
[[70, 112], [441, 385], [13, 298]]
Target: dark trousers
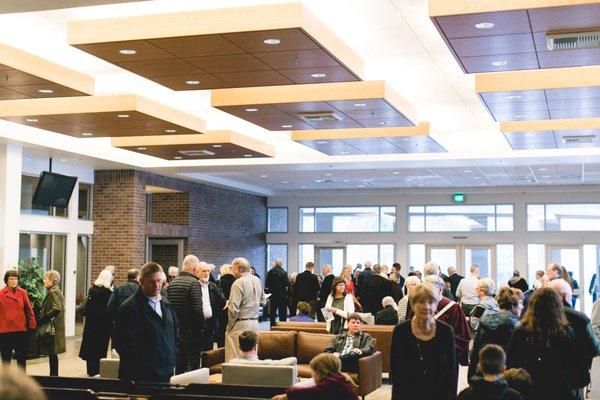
[[349, 362], [278, 307], [53, 361], [93, 366], [16, 341], [188, 358]]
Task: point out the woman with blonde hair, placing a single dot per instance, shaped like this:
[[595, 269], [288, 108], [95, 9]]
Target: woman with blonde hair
[[225, 281], [98, 323], [330, 382]]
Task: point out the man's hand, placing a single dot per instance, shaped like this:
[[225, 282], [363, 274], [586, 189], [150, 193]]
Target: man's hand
[[279, 397], [357, 351]]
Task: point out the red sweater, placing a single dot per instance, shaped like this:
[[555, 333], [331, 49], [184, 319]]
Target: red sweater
[[15, 311], [329, 388]]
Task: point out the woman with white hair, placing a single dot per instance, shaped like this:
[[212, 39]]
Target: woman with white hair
[[98, 323], [389, 314], [52, 315], [486, 290], [403, 305]]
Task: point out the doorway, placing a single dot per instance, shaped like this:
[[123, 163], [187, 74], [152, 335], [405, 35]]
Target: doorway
[[463, 256], [334, 255], [166, 252]]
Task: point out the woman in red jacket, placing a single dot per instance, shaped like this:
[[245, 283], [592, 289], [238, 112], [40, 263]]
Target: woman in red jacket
[[16, 317], [330, 382]]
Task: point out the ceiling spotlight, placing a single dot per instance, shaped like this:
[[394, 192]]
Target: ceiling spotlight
[[545, 176], [31, 120], [321, 142], [361, 186], [360, 105], [543, 169], [519, 116], [284, 182], [484, 25], [177, 157], [127, 52], [467, 171], [123, 115], [318, 75], [499, 63], [63, 160], [263, 176], [303, 187], [86, 134], [396, 173], [216, 146], [170, 130], [381, 123], [247, 155], [408, 179], [141, 148], [343, 152], [421, 185], [271, 41], [286, 126], [46, 91], [192, 82], [328, 174], [513, 97], [251, 109]]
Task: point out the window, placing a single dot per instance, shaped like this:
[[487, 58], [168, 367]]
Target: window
[[376, 253], [277, 219], [536, 259], [416, 257], [306, 253], [28, 185], [563, 217], [460, 218], [83, 252], [85, 202], [505, 264], [49, 250], [275, 251], [347, 219]]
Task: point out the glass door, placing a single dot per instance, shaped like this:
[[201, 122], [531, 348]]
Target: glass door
[[334, 256], [445, 256], [482, 256], [570, 258]]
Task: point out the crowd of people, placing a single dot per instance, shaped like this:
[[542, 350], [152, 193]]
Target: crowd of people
[[519, 341]]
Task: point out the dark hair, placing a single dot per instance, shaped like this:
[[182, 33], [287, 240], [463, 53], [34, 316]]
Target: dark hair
[[309, 264], [509, 297], [545, 317], [337, 281], [303, 308], [132, 274], [150, 268], [247, 340], [397, 266], [519, 380], [492, 359], [356, 317], [10, 273]]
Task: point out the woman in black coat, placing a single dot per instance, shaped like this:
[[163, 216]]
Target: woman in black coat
[[544, 345], [422, 355], [224, 283], [98, 323]]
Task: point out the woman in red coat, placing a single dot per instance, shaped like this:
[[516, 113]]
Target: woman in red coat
[[16, 317], [330, 382]]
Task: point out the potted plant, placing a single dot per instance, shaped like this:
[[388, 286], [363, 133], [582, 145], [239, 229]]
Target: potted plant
[[30, 279]]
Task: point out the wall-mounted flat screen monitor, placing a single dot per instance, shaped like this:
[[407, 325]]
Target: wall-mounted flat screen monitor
[[54, 190]]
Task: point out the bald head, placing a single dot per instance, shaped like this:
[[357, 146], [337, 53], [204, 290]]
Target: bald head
[[563, 289]]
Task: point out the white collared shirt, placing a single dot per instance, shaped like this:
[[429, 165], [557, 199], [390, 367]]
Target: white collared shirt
[[155, 304], [206, 308]]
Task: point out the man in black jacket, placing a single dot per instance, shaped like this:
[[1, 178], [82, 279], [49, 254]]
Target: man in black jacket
[[212, 301], [373, 290], [185, 295], [306, 287], [454, 279], [352, 344], [146, 332], [325, 290], [123, 292], [277, 283]]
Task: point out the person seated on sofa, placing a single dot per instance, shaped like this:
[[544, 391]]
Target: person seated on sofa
[[304, 310], [330, 382], [352, 344], [248, 341], [389, 314]]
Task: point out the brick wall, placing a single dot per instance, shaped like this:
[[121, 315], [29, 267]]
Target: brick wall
[[222, 224]]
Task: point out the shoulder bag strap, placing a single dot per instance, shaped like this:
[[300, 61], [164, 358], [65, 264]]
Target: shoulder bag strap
[[443, 310]]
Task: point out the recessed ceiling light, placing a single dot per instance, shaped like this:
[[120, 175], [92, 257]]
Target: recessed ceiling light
[[519, 116], [271, 41], [546, 176], [284, 182], [141, 148], [127, 52], [46, 91], [251, 109], [360, 105], [123, 115], [408, 179], [421, 185], [247, 155], [484, 25], [170, 130], [530, 134], [467, 171], [361, 186], [319, 180], [514, 97], [396, 173], [346, 180], [366, 180], [543, 169], [328, 174], [86, 134], [321, 142], [31, 120], [263, 176], [382, 123], [192, 82], [217, 145], [318, 75], [286, 126], [343, 152], [177, 157], [303, 187], [499, 63], [63, 160]]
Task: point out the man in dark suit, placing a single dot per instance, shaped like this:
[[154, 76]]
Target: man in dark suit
[[325, 290], [306, 287], [146, 331], [365, 274], [453, 278], [396, 268], [373, 290], [277, 283]]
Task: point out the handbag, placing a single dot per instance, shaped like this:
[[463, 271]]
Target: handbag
[[46, 332]]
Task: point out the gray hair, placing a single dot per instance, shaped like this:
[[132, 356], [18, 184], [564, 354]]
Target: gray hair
[[104, 279], [225, 269], [487, 285], [241, 264], [563, 289], [54, 276], [474, 268], [190, 262], [278, 262], [326, 267], [368, 264], [434, 280], [389, 301], [173, 271], [412, 280], [431, 268], [451, 270]]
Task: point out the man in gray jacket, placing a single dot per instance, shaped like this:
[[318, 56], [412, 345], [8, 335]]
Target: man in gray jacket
[[351, 345]]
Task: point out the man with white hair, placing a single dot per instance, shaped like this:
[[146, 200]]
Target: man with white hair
[[373, 290], [467, 290], [454, 279], [172, 273], [587, 344], [244, 303], [277, 283], [365, 274], [389, 314]]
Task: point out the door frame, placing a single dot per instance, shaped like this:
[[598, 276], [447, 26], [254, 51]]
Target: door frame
[[162, 241], [319, 246], [460, 263], [581, 279]]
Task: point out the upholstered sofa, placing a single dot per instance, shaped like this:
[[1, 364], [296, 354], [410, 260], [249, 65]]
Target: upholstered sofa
[[304, 346], [381, 333]]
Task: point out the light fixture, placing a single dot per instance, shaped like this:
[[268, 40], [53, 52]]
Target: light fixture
[[284, 182], [421, 185], [63, 160], [272, 41], [361, 186], [499, 63], [123, 115], [319, 180], [321, 142], [396, 173], [328, 174], [513, 97], [170, 130], [519, 116], [408, 179], [530, 134], [360, 105], [484, 25], [346, 180], [343, 152], [46, 91], [141, 148], [251, 109], [286, 126], [545, 176], [467, 171], [177, 157], [543, 169], [127, 52], [263, 176], [217, 146], [318, 75], [303, 187], [381, 123], [192, 82], [31, 120], [86, 134], [247, 155]]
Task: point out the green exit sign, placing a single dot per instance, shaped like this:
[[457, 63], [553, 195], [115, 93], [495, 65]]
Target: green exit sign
[[458, 197]]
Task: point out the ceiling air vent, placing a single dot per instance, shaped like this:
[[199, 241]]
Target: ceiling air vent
[[196, 153], [578, 139], [574, 40], [326, 116]]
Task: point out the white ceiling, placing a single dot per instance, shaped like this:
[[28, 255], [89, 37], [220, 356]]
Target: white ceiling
[[398, 43]]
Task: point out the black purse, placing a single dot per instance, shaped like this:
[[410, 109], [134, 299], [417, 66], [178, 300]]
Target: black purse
[[46, 332]]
